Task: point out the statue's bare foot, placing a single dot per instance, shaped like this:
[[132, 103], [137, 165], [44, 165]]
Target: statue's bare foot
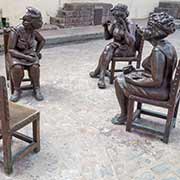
[[119, 119], [15, 96], [93, 74], [101, 84], [38, 95]]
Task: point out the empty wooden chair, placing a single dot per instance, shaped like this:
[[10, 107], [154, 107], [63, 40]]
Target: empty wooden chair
[[171, 105], [13, 117]]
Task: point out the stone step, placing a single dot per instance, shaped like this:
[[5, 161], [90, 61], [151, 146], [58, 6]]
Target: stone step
[[177, 22]]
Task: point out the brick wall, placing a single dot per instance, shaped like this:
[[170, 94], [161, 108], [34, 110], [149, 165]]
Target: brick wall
[[82, 14], [172, 8]]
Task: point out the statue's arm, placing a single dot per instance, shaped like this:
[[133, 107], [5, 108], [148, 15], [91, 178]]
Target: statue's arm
[[158, 65], [40, 41], [126, 32], [108, 32], [11, 48]]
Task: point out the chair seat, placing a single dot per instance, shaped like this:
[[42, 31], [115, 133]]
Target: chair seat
[[20, 115], [116, 58], [165, 104]]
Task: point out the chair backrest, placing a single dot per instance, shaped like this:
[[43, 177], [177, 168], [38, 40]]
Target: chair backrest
[[175, 85], [139, 39], [6, 34], [4, 105], [139, 42]]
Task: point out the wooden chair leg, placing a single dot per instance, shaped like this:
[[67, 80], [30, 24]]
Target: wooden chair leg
[[139, 106], [7, 154], [168, 125], [175, 114], [7, 72], [11, 86], [112, 71], [138, 64], [36, 134], [130, 62], [130, 115]]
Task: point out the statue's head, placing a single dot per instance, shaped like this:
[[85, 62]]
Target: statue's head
[[32, 18], [159, 26], [120, 11]]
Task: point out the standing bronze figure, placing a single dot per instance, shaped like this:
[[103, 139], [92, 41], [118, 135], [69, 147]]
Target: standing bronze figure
[[155, 80], [123, 44], [24, 46]]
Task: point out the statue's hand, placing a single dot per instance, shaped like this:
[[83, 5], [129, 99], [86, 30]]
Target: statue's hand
[[128, 69], [39, 55], [140, 30], [106, 24], [131, 79], [31, 58]]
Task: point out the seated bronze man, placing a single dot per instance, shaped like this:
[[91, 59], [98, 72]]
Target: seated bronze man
[[25, 44], [154, 82], [123, 44]]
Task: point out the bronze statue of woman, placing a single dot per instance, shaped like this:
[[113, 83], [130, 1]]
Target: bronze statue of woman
[[155, 80], [123, 45], [25, 44]]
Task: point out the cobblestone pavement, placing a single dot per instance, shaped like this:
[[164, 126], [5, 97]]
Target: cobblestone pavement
[[78, 141]]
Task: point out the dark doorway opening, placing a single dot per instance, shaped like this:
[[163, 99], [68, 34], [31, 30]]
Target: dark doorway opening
[[98, 13]]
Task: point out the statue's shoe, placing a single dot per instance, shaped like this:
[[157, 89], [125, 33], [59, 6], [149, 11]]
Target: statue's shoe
[[107, 73], [101, 84], [93, 74], [119, 120], [38, 95], [15, 96]]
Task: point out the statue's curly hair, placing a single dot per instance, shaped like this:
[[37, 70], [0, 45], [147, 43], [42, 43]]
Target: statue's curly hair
[[162, 21], [32, 13], [32, 16], [119, 9]]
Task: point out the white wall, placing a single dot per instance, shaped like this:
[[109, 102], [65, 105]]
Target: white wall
[[14, 9], [170, 0]]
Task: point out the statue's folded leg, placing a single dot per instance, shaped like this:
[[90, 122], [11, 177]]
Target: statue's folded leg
[[96, 72], [120, 85], [34, 74], [104, 63]]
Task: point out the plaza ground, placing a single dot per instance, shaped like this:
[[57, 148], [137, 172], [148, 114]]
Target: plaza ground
[[78, 141]]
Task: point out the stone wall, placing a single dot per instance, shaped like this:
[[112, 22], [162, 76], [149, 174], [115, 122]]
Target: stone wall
[[172, 8], [82, 14], [138, 8]]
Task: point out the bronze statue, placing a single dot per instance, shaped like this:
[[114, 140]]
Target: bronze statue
[[123, 44], [25, 44], [155, 80]]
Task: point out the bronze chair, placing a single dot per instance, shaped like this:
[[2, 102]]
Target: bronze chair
[[6, 34], [171, 105], [14, 117], [137, 58]]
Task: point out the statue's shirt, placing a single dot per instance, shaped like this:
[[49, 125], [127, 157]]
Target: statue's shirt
[[25, 44]]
